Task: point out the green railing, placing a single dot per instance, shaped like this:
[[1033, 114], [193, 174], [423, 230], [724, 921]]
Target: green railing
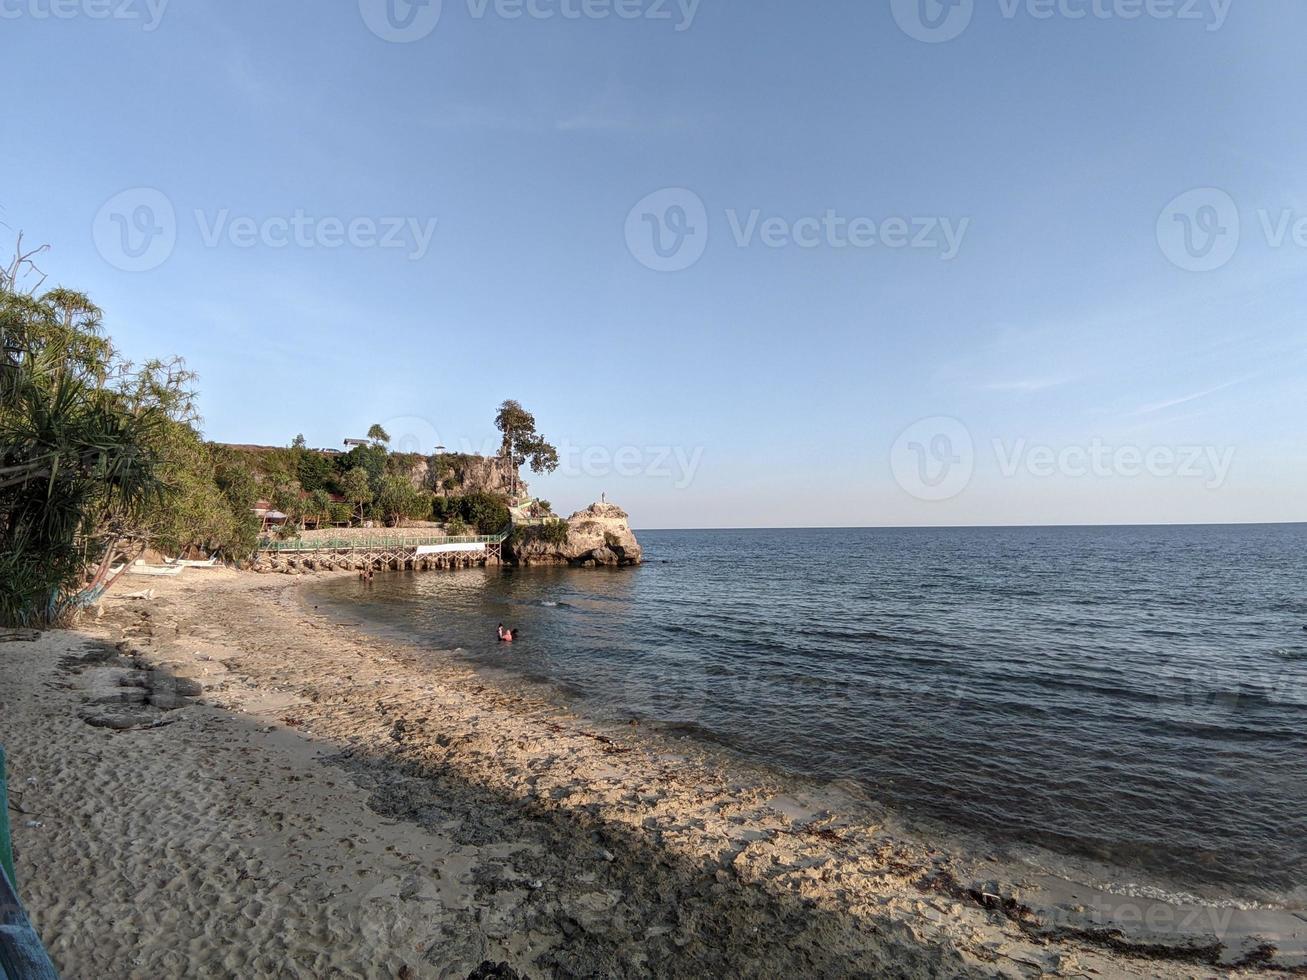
[[374, 543]]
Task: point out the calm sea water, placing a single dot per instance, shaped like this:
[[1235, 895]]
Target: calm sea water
[[1134, 695]]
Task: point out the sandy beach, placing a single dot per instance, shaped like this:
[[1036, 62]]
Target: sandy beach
[[305, 800]]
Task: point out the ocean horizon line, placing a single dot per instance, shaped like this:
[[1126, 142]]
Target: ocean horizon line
[[970, 527]]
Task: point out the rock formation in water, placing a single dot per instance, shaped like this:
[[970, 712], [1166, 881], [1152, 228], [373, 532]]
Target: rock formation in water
[[599, 535]]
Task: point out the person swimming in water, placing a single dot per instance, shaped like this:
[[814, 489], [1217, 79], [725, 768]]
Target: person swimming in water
[[507, 636]]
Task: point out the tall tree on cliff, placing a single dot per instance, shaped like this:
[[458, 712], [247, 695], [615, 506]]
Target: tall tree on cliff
[[522, 444], [378, 435]]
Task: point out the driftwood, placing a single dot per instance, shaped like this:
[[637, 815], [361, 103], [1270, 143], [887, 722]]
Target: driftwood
[[19, 636]]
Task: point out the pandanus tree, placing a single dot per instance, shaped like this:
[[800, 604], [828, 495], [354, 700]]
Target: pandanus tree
[[78, 470], [357, 488]]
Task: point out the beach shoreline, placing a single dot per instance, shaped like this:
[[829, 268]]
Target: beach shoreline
[[313, 798]]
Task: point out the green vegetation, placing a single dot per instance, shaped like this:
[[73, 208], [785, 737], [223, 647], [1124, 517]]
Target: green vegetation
[[102, 459], [522, 444], [357, 488], [553, 533], [98, 457], [398, 499], [486, 512]]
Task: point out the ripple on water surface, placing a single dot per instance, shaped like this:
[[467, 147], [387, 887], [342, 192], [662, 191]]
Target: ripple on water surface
[[1135, 695]]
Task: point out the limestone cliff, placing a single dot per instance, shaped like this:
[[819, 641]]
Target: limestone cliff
[[599, 535], [457, 474]]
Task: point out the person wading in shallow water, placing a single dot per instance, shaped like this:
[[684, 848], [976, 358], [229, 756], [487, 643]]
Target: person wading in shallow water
[[506, 636]]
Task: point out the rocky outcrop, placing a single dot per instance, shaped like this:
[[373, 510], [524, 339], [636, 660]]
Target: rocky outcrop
[[458, 474], [599, 535]]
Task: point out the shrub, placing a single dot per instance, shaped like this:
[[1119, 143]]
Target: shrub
[[397, 498], [315, 471], [487, 512], [554, 533]]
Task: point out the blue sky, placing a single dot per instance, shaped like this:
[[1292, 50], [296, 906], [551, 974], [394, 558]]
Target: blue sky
[[1067, 356]]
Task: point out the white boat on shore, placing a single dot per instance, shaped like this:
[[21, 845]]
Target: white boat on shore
[[183, 563], [140, 568]]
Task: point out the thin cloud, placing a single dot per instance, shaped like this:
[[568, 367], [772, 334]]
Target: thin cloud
[[1161, 406], [1027, 384]]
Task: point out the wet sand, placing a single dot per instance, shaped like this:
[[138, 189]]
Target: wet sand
[[307, 800]]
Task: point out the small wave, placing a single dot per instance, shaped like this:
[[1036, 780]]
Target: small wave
[[1132, 889], [822, 633]]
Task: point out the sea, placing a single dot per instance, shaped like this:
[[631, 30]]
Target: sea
[[1131, 696]]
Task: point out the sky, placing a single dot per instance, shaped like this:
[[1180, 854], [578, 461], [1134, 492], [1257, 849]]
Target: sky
[[749, 262]]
